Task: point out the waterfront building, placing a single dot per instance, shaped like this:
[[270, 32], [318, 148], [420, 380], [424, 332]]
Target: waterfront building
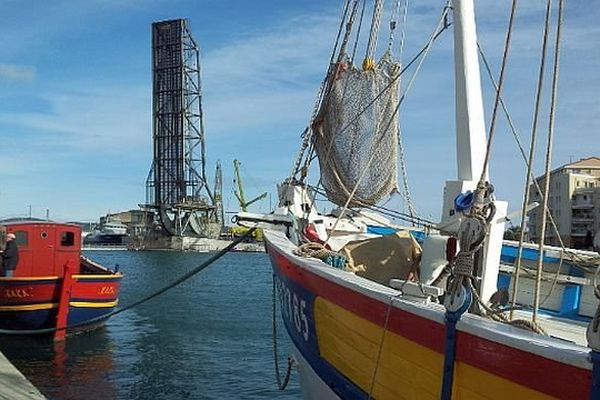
[[574, 201]]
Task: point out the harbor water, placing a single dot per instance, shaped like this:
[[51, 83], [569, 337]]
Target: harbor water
[[208, 338]]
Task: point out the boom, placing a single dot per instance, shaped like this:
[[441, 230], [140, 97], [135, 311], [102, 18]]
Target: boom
[[239, 192]]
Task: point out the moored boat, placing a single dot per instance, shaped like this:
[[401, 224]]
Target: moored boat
[[377, 315], [54, 285], [111, 231]]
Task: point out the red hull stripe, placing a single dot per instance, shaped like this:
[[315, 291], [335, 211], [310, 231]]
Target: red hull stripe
[[548, 376], [540, 373], [36, 292]]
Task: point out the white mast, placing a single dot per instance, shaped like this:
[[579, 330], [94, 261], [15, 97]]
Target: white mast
[[470, 125], [471, 141]]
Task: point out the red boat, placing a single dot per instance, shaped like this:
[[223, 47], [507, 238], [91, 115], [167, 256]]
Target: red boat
[[53, 284]]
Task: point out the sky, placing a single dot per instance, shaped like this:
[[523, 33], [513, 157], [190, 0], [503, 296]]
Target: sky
[[75, 96]]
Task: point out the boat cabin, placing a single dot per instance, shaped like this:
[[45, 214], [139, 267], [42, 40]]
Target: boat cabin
[[45, 247]]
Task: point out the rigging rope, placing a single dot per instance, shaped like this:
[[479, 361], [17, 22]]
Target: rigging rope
[[350, 197], [171, 285], [389, 212], [412, 211], [309, 158], [393, 22], [500, 317], [381, 343], [369, 61], [358, 30], [306, 134], [498, 92], [587, 264], [405, 186], [531, 153], [415, 58], [548, 156]]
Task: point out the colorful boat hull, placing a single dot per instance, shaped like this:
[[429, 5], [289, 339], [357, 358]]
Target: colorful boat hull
[[32, 302], [361, 340]]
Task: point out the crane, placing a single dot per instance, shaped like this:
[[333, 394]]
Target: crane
[[239, 192]]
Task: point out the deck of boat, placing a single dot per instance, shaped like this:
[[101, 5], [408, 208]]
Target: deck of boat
[[560, 328]]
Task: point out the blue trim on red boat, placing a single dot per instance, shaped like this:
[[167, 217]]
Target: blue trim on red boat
[[41, 319], [7, 283], [98, 280]]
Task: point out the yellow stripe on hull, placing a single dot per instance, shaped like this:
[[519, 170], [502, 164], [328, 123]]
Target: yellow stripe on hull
[[99, 276], [29, 307], [89, 304], [406, 370], [474, 383], [28, 278], [351, 344]]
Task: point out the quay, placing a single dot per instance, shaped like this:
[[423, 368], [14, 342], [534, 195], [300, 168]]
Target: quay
[[13, 385]]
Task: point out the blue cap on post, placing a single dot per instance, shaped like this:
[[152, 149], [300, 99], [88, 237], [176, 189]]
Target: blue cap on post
[[463, 201]]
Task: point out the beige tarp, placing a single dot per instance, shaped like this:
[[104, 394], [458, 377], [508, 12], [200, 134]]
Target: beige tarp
[[383, 258]]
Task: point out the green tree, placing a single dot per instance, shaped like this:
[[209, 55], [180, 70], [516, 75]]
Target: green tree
[[512, 233]]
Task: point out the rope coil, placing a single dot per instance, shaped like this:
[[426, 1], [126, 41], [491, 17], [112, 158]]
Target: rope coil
[[319, 251]]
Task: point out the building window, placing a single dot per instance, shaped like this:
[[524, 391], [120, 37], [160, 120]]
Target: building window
[[67, 239]]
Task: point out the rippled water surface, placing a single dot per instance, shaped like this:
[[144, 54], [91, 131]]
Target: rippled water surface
[[208, 338]]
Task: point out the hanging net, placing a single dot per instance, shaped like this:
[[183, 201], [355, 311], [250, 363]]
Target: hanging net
[[356, 136]]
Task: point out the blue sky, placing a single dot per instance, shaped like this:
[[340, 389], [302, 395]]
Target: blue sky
[[75, 96]]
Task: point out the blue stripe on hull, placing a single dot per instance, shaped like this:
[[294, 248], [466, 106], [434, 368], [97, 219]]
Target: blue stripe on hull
[[41, 319], [296, 306], [38, 319], [79, 315]]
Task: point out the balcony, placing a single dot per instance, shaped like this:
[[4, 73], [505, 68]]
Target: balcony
[[584, 190], [581, 231], [582, 219], [580, 205]]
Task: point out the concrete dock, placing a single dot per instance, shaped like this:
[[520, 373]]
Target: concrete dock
[[13, 385]]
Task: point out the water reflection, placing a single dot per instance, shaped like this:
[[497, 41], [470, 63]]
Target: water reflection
[[83, 362], [209, 338]]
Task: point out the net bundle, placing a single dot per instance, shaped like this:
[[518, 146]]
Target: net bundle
[[357, 134]]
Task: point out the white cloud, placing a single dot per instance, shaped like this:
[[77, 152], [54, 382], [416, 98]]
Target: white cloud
[[21, 73], [259, 91], [110, 118]]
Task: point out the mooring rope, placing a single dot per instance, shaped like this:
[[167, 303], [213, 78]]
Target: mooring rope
[[178, 281], [281, 383]]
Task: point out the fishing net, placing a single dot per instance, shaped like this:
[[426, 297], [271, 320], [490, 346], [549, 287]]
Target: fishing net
[[356, 136]]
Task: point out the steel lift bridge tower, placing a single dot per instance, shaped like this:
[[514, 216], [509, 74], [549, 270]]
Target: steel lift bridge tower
[[176, 187]]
